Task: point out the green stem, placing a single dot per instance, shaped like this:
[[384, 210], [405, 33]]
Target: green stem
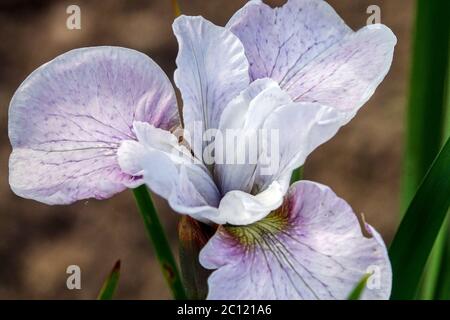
[[109, 286], [159, 241]]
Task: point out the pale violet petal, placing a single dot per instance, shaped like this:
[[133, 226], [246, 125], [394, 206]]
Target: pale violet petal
[[196, 195], [170, 171], [158, 170], [242, 208], [240, 126], [280, 41], [287, 132], [68, 118], [308, 49], [211, 70], [311, 248], [301, 127], [346, 75], [236, 114], [241, 13]]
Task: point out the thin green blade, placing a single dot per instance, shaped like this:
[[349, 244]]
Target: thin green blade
[[110, 284], [442, 285], [429, 287], [420, 227], [359, 289], [426, 109], [426, 112], [443, 289], [442, 282]]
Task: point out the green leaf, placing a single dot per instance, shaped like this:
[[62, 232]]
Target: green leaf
[[359, 289], [441, 256], [110, 284], [434, 266], [426, 110], [426, 114], [159, 242], [443, 287], [420, 227], [297, 175]]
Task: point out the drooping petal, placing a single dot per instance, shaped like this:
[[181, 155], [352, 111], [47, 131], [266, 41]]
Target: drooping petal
[[311, 248], [212, 70], [68, 118], [170, 171], [242, 208], [307, 48]]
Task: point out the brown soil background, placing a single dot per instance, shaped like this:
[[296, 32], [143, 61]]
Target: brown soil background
[[37, 242]]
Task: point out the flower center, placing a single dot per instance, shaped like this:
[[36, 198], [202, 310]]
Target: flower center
[[260, 232]]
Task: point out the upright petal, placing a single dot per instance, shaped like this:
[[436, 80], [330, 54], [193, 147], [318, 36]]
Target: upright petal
[[301, 127], [283, 132], [240, 126], [212, 70], [68, 118], [308, 49], [286, 133], [311, 248]]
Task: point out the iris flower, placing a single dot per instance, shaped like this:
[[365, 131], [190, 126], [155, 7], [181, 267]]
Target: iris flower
[[95, 121]]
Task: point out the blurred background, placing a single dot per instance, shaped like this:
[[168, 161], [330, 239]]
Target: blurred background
[[37, 242]]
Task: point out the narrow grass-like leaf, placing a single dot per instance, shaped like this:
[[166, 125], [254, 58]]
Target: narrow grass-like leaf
[[159, 242], [426, 112], [443, 285], [359, 289], [420, 227], [437, 283], [433, 272], [110, 284], [427, 93]]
